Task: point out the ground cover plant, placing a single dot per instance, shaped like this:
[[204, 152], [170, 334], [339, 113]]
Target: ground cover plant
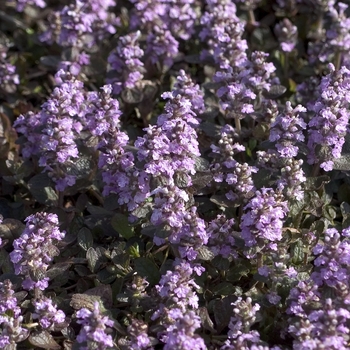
[[174, 174]]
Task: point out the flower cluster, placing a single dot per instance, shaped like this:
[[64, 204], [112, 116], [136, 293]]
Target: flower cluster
[[263, 218], [287, 131], [8, 76], [223, 31], [125, 63], [221, 239], [10, 317], [240, 335], [319, 319], [139, 339], [177, 290], [81, 25], [47, 314], [21, 4], [241, 90], [287, 35], [328, 126], [93, 331], [35, 249], [235, 178]]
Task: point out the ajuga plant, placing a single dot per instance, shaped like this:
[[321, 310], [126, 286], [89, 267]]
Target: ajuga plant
[[174, 175]]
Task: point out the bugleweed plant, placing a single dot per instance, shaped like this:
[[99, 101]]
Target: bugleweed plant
[[174, 175]]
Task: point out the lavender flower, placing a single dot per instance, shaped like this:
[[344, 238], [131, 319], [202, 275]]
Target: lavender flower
[[287, 35], [125, 63], [177, 290], [47, 314], [116, 164], [8, 301], [223, 31], [81, 23], [263, 218], [181, 335], [21, 4], [185, 87], [34, 250], [235, 178], [241, 89], [8, 77], [11, 331], [221, 239], [328, 126], [163, 23], [53, 131], [287, 130], [94, 326], [318, 320], [240, 335], [335, 44], [137, 332]]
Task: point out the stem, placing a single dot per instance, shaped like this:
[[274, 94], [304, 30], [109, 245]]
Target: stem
[[286, 64], [251, 17], [238, 125], [337, 60], [315, 170]]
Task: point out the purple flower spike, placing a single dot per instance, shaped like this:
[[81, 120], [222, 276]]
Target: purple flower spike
[[287, 131], [94, 327], [329, 125], [35, 249]]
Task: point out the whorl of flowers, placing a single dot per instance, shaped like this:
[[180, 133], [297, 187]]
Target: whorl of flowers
[[81, 23], [334, 46], [263, 218], [240, 335], [125, 63], [329, 125], [317, 319], [162, 47], [235, 178], [287, 35], [55, 128], [185, 87], [21, 4], [287, 130], [8, 75], [163, 23], [35, 248], [11, 331], [222, 30], [168, 151], [93, 331], [221, 241], [176, 311], [178, 17], [242, 88], [181, 335], [47, 313], [137, 333], [117, 165]]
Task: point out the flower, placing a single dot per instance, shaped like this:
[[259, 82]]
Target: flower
[[94, 327], [47, 314], [35, 249]]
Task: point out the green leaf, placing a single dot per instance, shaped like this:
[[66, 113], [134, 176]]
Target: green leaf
[[147, 268], [236, 272], [223, 311], [85, 239], [41, 188], [345, 211], [223, 288], [121, 224], [43, 340]]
